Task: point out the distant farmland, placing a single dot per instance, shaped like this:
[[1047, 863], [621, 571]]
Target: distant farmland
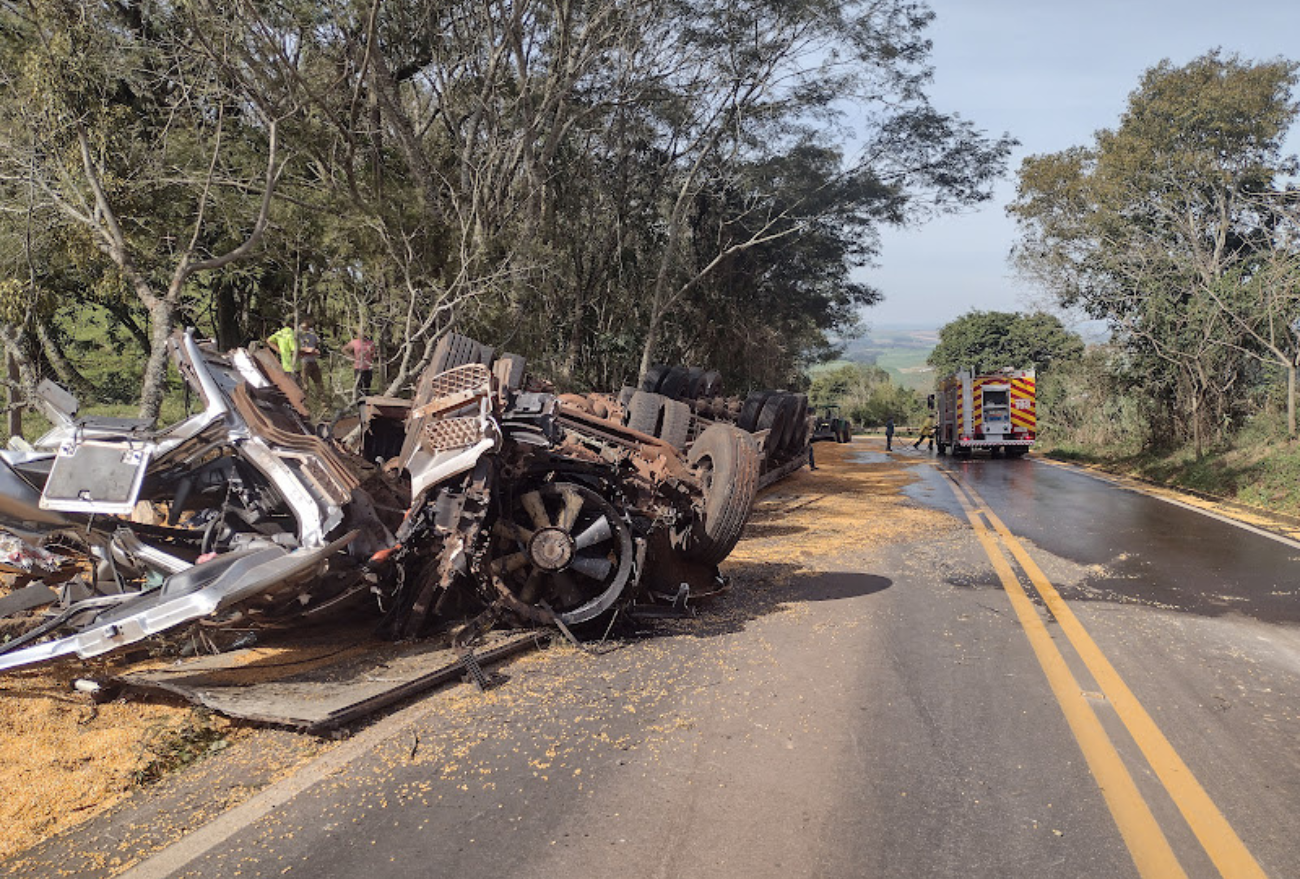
[[900, 350]]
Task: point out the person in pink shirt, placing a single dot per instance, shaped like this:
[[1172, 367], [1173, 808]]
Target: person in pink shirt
[[362, 352]]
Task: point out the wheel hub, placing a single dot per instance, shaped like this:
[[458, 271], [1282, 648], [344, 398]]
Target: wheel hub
[[551, 549]]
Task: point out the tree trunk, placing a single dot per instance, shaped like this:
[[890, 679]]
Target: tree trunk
[[229, 327], [1196, 427], [1290, 399], [15, 417], [651, 342], [161, 318], [68, 374]]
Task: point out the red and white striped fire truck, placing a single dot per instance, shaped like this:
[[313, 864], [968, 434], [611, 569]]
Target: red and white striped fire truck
[[989, 411]]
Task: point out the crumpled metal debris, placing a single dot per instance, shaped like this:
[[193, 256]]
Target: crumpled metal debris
[[483, 500], [20, 556]]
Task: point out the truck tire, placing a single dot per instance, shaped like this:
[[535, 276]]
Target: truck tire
[[727, 462], [653, 376], [673, 384], [644, 411], [711, 384], [778, 417], [768, 416], [748, 419], [694, 382], [798, 435], [675, 428]]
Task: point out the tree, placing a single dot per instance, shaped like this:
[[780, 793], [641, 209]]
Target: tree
[[865, 394], [1152, 227], [989, 340], [594, 185], [1261, 299], [128, 123], [584, 172]]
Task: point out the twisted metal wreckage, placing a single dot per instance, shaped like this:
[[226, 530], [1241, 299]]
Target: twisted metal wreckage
[[478, 502]]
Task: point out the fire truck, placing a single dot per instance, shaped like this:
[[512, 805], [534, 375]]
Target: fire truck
[[993, 411]]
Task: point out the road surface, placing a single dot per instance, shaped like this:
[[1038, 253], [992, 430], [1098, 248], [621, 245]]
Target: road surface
[[1032, 673]]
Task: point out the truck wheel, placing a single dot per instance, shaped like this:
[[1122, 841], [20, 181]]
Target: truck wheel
[[673, 384], [653, 376], [772, 419], [694, 382], [643, 412], [797, 437], [726, 460], [786, 426], [749, 412], [676, 427]]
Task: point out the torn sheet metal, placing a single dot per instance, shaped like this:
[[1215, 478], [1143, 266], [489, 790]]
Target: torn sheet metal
[[184, 597], [312, 695]]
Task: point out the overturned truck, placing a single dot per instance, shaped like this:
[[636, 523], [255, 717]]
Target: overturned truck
[[478, 502]]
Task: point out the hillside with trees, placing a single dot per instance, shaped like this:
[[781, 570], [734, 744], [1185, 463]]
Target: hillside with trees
[[597, 185]]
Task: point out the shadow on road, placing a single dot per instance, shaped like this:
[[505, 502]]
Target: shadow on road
[[760, 589]]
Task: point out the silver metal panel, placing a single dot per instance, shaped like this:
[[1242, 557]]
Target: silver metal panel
[[96, 477], [19, 502]]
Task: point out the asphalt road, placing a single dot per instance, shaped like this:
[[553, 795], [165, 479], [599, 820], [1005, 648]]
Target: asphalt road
[[1106, 689]]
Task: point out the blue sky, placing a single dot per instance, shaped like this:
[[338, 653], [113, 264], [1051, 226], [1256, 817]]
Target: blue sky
[[1051, 74]]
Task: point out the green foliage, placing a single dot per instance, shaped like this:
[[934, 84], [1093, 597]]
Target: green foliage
[[866, 395], [1162, 224], [13, 301], [990, 340], [665, 179], [1092, 405]]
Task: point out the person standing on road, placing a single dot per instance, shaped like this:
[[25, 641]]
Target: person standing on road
[[362, 352], [285, 343], [309, 357], [889, 434], [927, 432]]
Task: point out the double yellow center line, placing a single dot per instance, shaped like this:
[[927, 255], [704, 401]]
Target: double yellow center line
[[1146, 842]]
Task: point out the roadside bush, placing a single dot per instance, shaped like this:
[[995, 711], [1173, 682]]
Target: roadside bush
[[1087, 406]]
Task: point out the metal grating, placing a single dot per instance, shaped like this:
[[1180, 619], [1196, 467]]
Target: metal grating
[[470, 377], [445, 434]]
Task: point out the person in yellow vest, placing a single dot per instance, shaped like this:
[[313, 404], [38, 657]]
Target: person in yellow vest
[[285, 343]]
